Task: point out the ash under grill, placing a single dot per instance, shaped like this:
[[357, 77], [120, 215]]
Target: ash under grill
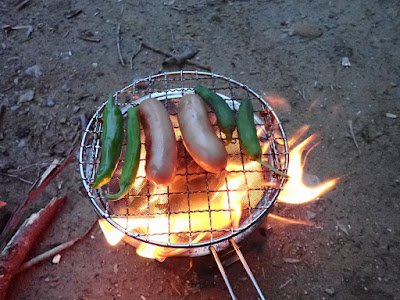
[[198, 209]]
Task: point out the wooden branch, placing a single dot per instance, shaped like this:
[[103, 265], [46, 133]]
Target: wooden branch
[[188, 61], [55, 250], [13, 222], [16, 250]]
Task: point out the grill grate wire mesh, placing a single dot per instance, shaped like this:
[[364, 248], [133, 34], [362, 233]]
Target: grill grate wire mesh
[[170, 216]]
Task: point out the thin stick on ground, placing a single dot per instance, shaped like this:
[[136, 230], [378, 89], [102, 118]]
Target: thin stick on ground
[[16, 176], [135, 54], [19, 246], [353, 135], [301, 93], [188, 61], [119, 46], [56, 250]]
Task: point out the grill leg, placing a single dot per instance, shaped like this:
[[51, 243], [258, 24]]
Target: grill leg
[[247, 268], [221, 269]]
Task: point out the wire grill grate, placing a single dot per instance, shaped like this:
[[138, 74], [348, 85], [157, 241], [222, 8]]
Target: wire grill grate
[[188, 213]]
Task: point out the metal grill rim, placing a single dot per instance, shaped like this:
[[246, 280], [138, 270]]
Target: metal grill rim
[[102, 207]]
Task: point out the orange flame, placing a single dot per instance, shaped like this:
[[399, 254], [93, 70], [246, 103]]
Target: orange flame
[[296, 191], [176, 228]]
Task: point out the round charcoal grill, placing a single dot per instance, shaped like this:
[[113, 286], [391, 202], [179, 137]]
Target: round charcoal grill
[[187, 214]]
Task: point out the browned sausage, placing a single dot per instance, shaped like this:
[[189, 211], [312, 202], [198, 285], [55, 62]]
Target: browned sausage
[[198, 135], [160, 142]]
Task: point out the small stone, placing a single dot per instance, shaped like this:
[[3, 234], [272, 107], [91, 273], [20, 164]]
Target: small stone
[[330, 291], [310, 215], [75, 108], [65, 88], [56, 259], [15, 107], [143, 297], [22, 143], [63, 120], [346, 62], [95, 65], [391, 116], [215, 18], [307, 29], [26, 96], [35, 70], [50, 102]]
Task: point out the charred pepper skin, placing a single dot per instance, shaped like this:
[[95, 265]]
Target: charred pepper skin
[[225, 116], [132, 155], [111, 143], [248, 135]]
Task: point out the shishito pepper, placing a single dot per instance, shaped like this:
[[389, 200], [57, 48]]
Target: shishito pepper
[[111, 143], [225, 116], [248, 135], [132, 155]]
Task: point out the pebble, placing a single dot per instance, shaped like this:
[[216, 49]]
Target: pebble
[[330, 291], [26, 96], [63, 120], [307, 29], [50, 102], [310, 215], [65, 88], [75, 108], [15, 107], [22, 143], [56, 259], [391, 116], [346, 62], [35, 70]]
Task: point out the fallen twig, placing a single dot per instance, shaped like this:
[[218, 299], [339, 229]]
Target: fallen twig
[[16, 176], [177, 58], [90, 39], [119, 46], [301, 93], [56, 250], [16, 250], [46, 173], [135, 54], [353, 136], [24, 204], [285, 284], [22, 4]]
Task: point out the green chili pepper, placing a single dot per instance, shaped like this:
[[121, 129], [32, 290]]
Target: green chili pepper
[[248, 135], [111, 143], [225, 116], [132, 155]]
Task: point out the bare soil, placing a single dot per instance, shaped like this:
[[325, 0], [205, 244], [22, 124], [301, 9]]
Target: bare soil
[[293, 49]]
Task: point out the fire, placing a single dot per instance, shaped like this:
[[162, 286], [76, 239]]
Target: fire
[[228, 201], [296, 191]]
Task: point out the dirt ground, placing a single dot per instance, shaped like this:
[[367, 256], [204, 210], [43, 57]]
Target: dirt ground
[[66, 62]]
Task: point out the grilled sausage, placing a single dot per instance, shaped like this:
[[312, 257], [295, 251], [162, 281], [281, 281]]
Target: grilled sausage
[[198, 135], [160, 142]]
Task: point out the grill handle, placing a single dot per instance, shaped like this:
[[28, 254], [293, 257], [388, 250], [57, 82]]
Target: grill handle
[[245, 265]]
